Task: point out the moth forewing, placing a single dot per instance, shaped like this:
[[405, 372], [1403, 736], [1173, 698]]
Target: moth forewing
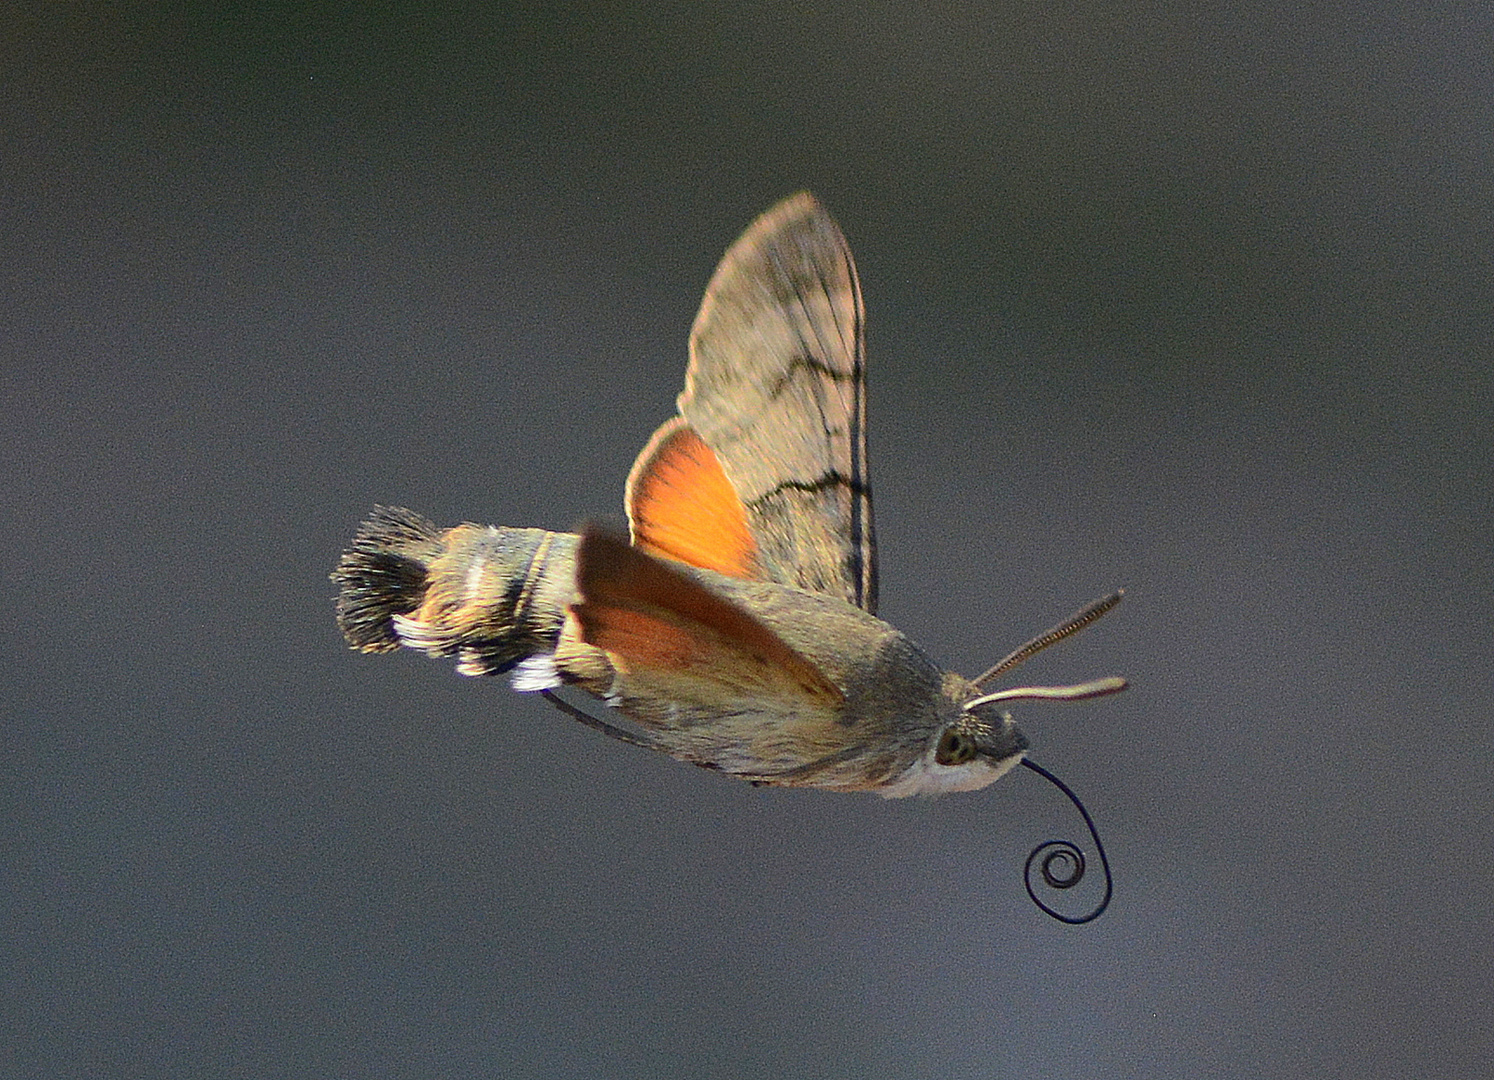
[[776, 387]]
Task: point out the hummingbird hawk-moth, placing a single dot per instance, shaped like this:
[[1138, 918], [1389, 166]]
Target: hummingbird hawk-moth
[[736, 628]]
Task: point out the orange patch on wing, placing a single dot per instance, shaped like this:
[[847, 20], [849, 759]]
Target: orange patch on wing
[[681, 505], [653, 617]]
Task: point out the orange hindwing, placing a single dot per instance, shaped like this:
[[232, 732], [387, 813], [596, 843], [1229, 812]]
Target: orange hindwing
[[681, 505]]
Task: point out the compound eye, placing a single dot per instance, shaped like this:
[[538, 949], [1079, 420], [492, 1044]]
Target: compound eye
[[955, 748]]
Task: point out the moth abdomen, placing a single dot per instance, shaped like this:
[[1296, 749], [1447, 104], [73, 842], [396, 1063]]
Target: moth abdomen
[[490, 597]]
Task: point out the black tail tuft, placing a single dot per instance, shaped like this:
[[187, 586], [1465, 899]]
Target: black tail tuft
[[383, 575]]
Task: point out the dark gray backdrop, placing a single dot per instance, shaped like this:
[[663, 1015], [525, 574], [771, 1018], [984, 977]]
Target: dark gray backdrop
[[1194, 299]]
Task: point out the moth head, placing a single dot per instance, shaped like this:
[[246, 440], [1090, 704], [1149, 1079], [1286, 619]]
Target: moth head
[[977, 747], [974, 745], [983, 741], [979, 743], [980, 734]]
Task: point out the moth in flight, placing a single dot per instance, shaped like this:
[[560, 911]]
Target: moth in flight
[[736, 627]]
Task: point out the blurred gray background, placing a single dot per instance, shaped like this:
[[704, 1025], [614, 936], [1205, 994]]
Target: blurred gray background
[[1195, 299]]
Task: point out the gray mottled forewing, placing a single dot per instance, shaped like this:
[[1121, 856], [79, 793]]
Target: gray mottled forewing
[[777, 389]]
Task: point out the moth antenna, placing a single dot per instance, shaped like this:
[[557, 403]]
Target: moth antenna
[[1069, 627], [1112, 684], [1060, 863]]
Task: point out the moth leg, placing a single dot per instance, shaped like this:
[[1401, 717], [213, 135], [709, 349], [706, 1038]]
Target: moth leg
[[584, 717]]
